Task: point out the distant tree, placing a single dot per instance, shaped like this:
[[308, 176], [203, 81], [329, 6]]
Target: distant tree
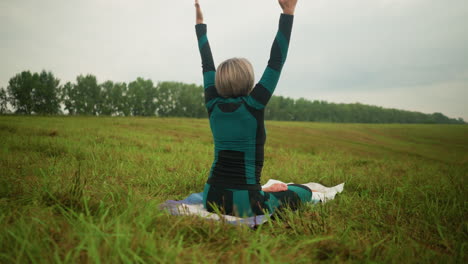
[[34, 93], [3, 101], [69, 96], [141, 97], [166, 99], [190, 100], [119, 95], [439, 118], [90, 94], [46, 93], [280, 108], [113, 100], [84, 97], [20, 91], [107, 102], [180, 99]]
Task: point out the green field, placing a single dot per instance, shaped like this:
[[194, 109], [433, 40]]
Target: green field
[[87, 190]]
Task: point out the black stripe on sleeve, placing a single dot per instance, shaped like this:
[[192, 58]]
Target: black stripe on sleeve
[[285, 25], [200, 29], [210, 93], [207, 58], [276, 58], [260, 94]]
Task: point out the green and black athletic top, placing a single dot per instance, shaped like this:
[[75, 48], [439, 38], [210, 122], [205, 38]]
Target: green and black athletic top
[[237, 123]]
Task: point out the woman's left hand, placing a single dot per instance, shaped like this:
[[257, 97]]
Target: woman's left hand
[[198, 12]]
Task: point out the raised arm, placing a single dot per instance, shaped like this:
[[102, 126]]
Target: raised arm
[[263, 91], [208, 66]]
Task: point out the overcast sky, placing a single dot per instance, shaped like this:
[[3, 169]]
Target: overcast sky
[[405, 54]]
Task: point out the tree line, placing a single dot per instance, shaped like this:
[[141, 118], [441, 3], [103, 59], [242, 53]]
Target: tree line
[[42, 94]]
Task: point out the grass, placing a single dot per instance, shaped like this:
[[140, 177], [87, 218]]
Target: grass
[[87, 190]]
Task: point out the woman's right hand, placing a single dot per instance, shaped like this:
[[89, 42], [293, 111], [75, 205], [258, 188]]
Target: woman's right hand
[[198, 12], [288, 6], [276, 187]]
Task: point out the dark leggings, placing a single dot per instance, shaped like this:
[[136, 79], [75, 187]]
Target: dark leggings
[[247, 203]]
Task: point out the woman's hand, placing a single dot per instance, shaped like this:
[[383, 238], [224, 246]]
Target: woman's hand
[[198, 12], [288, 6], [276, 187]]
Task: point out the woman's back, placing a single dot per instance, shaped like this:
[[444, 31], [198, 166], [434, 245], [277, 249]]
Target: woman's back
[[239, 138]]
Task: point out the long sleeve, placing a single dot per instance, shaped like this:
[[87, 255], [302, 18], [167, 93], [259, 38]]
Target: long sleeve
[[263, 90], [208, 66]]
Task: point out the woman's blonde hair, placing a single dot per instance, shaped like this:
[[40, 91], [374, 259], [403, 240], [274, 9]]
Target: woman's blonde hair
[[234, 77]]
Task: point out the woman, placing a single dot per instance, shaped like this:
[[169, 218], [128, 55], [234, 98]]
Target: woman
[[236, 113]]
